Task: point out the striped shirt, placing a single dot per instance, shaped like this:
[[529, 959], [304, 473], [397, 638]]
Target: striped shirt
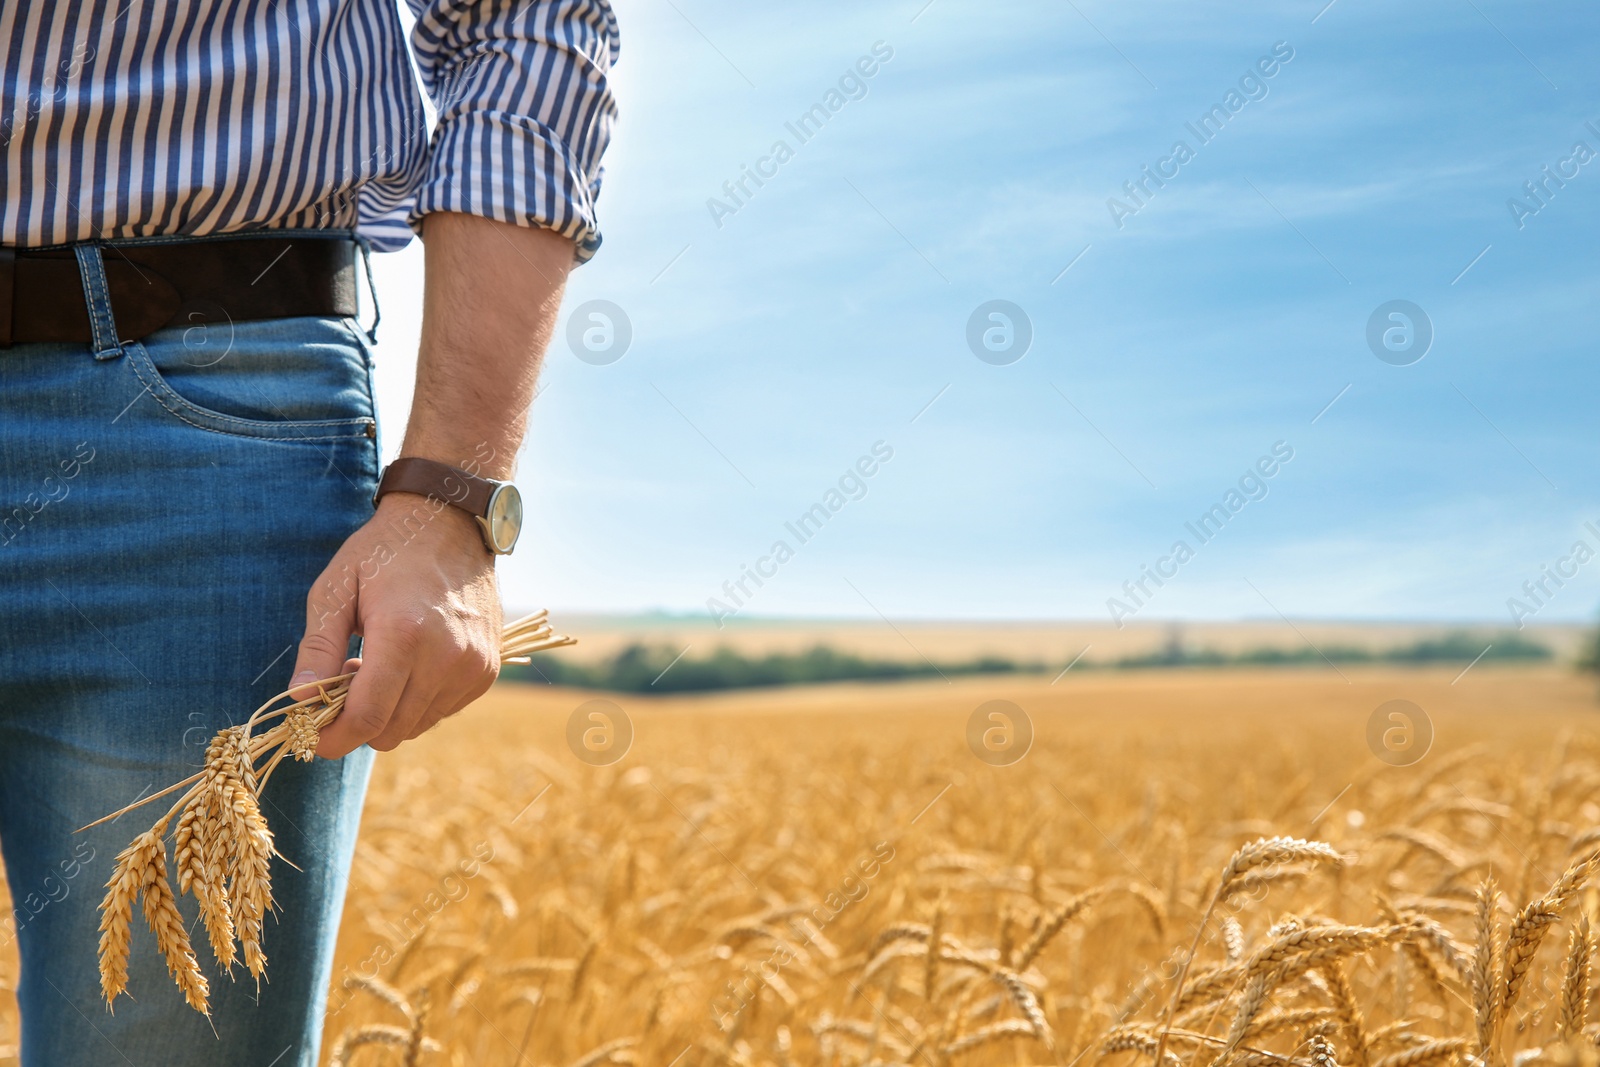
[[132, 118]]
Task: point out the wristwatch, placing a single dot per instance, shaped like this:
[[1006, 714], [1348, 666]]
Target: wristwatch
[[496, 505]]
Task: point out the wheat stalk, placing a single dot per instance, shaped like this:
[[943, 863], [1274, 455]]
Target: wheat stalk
[[606, 1053], [935, 937], [222, 845]]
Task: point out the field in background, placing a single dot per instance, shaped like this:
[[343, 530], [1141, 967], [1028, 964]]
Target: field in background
[[754, 881], [601, 636]]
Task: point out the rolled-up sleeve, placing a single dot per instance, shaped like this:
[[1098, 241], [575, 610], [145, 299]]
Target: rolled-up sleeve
[[525, 110]]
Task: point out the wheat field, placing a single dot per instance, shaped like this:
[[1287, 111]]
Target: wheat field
[[759, 879]]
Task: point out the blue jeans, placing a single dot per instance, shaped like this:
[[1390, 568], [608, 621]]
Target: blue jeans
[[165, 505]]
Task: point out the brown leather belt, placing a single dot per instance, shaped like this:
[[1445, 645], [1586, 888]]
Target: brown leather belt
[[177, 283]]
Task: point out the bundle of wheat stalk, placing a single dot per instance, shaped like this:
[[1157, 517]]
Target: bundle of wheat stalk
[[221, 844]]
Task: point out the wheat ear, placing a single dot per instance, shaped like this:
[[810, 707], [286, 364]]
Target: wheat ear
[[1529, 928], [1426, 1053], [1233, 939], [116, 918], [1052, 926], [1349, 1012], [1026, 1003], [1142, 1036], [250, 890], [172, 937], [1485, 971], [1575, 985], [202, 860], [141, 870], [992, 1032], [1259, 853], [398, 1037], [1291, 955]]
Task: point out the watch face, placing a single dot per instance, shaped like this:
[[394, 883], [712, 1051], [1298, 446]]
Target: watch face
[[505, 518]]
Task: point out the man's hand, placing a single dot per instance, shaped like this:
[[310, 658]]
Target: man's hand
[[416, 582]]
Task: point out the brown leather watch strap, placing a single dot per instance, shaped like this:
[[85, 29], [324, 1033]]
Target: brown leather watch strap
[[426, 477]]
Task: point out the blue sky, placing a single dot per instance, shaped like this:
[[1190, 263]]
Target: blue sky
[[771, 352]]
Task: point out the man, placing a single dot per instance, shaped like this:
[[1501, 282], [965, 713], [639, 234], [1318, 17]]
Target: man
[[188, 445]]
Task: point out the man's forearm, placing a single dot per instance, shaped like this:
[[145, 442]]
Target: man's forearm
[[491, 295], [429, 613]]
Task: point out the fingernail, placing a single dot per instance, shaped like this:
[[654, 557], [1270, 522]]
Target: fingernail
[[304, 676]]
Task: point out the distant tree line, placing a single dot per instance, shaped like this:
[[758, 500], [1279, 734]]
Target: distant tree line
[[1451, 648], [641, 668]]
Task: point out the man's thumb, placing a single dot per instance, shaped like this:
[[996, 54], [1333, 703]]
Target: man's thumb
[[330, 620]]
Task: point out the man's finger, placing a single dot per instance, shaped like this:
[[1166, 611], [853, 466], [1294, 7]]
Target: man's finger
[[472, 675], [450, 699], [414, 705], [374, 693], [330, 619], [442, 710]]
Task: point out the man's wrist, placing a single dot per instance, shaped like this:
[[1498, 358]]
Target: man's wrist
[[495, 506], [414, 517]]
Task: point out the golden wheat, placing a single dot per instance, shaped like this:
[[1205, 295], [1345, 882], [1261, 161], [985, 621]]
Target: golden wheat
[[704, 891], [222, 845], [707, 900]]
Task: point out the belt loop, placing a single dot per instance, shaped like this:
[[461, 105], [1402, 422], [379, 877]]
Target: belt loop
[[97, 297], [8, 273], [372, 287]]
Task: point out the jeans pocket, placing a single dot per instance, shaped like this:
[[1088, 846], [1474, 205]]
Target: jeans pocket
[[304, 379]]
